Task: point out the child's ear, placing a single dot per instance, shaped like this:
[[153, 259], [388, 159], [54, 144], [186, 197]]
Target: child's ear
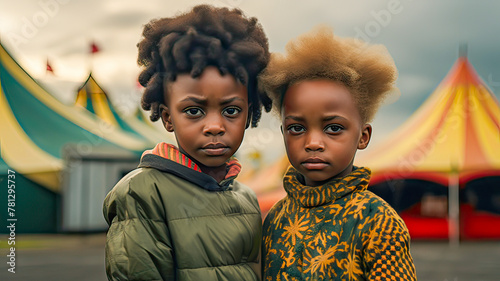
[[366, 134], [166, 118]]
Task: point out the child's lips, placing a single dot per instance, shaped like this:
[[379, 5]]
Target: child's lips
[[215, 149], [315, 164]]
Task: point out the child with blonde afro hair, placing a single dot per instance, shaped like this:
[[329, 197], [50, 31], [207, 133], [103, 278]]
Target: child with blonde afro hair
[[329, 226]]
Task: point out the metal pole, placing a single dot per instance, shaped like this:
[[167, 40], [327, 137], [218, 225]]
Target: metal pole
[[453, 211]]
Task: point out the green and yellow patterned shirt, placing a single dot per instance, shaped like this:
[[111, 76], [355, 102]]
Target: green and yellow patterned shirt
[[337, 231]]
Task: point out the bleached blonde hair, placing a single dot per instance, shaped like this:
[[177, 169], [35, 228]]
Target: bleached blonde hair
[[367, 71]]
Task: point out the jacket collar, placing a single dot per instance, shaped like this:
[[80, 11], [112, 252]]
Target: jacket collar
[[312, 196], [171, 152], [167, 158]]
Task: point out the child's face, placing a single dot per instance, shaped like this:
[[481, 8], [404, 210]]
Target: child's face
[[208, 115], [322, 129]]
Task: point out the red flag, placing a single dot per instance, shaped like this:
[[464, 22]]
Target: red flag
[[93, 48], [49, 67]]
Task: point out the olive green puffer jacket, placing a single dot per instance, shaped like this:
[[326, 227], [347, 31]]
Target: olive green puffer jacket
[[169, 222]]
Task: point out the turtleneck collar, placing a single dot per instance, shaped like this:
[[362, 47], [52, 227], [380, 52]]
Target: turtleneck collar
[[313, 196]]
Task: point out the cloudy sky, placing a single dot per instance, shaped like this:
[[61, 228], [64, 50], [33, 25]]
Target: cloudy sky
[[422, 36]]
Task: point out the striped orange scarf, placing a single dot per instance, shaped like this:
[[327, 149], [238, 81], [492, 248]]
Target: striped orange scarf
[[171, 152]]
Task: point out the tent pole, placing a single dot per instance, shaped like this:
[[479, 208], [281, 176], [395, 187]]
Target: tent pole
[[453, 211]]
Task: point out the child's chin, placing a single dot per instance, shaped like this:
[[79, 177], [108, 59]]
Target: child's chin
[[316, 177], [214, 162]]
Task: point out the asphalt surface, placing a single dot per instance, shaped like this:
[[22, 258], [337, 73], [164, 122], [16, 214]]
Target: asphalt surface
[[81, 258]]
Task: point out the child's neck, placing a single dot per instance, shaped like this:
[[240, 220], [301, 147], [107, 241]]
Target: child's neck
[[218, 173], [345, 172]]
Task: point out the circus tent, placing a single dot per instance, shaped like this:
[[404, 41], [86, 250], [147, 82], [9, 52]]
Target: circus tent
[[34, 131], [92, 97], [139, 115], [441, 168]]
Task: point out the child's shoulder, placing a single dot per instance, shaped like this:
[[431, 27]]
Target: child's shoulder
[[374, 203], [138, 180], [137, 184], [242, 188], [138, 174], [382, 219], [245, 191]]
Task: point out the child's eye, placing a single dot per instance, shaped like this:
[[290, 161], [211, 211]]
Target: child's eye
[[333, 129], [295, 129], [193, 111], [231, 111]]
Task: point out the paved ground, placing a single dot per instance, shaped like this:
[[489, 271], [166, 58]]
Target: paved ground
[[56, 258], [81, 258], [471, 261]]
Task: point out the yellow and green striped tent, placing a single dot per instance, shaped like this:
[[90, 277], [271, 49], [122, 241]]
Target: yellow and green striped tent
[[94, 99], [34, 128]]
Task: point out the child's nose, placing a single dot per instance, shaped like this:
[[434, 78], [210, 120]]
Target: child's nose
[[214, 125], [314, 142]]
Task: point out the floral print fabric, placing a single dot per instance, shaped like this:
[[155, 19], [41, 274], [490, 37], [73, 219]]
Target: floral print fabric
[[337, 231]]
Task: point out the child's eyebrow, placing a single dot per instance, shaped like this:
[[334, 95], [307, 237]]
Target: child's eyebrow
[[296, 118], [330, 118], [196, 100], [230, 100]]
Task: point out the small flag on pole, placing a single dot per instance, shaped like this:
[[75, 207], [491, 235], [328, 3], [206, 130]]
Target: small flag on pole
[[93, 48], [49, 68]]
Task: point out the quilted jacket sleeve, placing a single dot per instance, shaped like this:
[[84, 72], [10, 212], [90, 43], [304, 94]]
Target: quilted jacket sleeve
[[138, 245], [387, 255]]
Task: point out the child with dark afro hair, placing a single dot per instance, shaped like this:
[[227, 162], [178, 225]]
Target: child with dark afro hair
[[329, 226], [181, 215], [190, 42]]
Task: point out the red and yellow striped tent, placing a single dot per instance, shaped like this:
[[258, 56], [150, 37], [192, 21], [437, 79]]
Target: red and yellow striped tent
[[457, 128], [453, 139]]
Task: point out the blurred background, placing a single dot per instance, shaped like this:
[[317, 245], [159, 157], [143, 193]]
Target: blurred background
[[71, 126]]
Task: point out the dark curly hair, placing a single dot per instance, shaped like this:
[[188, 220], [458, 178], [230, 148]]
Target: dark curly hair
[[205, 36]]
